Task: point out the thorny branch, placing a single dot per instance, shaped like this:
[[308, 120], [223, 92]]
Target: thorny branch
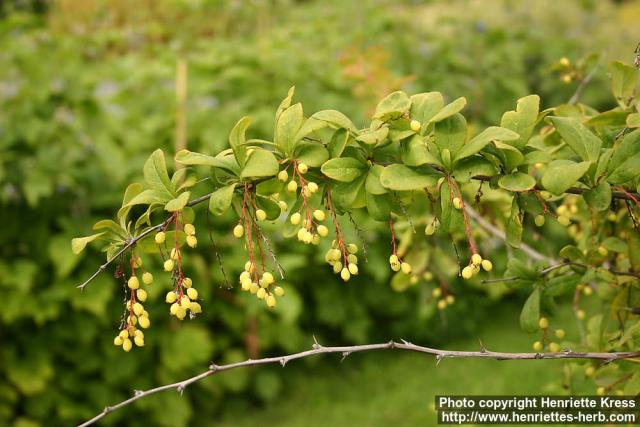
[[348, 350]]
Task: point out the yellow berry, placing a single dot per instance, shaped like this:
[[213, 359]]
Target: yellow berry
[[195, 308], [144, 322], [295, 218], [126, 345], [192, 293], [393, 259], [189, 229], [181, 312], [312, 187], [415, 125], [302, 168], [283, 176], [427, 275], [564, 61], [436, 293], [174, 308], [175, 253], [600, 391], [487, 265], [192, 241], [187, 282], [139, 341], [147, 278], [580, 314], [319, 215], [124, 334], [271, 301], [352, 248], [563, 220], [168, 265], [268, 278], [246, 284], [467, 272], [345, 275], [587, 291], [429, 230], [118, 341], [292, 186], [160, 237], [589, 371], [337, 267], [450, 299], [603, 251], [353, 269], [248, 266], [279, 291], [442, 304], [560, 333], [238, 231], [405, 267], [457, 203], [261, 293], [170, 298], [476, 259], [261, 215], [539, 220], [543, 323], [352, 258], [537, 346], [254, 288], [141, 294], [322, 230], [133, 282], [283, 205]]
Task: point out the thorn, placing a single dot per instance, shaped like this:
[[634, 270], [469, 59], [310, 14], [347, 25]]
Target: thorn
[[405, 342], [344, 355], [483, 349], [213, 367], [439, 358], [315, 345], [137, 392], [283, 362], [180, 389], [391, 344]]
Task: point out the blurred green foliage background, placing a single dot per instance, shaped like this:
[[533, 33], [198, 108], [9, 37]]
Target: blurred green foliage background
[[87, 91]]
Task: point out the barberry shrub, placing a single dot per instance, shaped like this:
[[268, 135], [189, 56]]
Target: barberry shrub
[[567, 167]]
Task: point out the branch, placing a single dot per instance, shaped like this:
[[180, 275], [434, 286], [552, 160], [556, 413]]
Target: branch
[[567, 264], [348, 350]]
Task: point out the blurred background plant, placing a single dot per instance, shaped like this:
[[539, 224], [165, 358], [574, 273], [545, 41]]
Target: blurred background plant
[[88, 90]]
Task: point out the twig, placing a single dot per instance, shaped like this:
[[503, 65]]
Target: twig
[[567, 264], [584, 83], [347, 350]]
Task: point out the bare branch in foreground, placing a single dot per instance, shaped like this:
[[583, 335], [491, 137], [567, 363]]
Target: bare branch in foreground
[[347, 350]]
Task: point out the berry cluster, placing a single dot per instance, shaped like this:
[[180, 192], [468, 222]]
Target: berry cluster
[[343, 259], [135, 314], [395, 261], [443, 300], [311, 230], [260, 286], [553, 347], [474, 266]]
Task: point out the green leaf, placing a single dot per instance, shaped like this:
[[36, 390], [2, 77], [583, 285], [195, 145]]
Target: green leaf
[[286, 102], [530, 314], [624, 79], [149, 197], [449, 110], [571, 252], [79, 243], [221, 199], [628, 147], [578, 137], [270, 207], [510, 156], [335, 119], [269, 187], [373, 137], [338, 142], [403, 178], [192, 158], [633, 121], [473, 166], [311, 153], [287, 127], [345, 194], [372, 184], [237, 138], [615, 244], [414, 151], [478, 142], [599, 197], [517, 181], [514, 225], [522, 120], [562, 174], [378, 206], [178, 203], [393, 106], [260, 164], [450, 219], [451, 133], [155, 174], [424, 106], [627, 171], [344, 169]]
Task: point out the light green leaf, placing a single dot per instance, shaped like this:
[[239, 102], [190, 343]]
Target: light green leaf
[[178, 203], [599, 197], [237, 137], [403, 178], [451, 133], [338, 142], [287, 128], [221, 199], [415, 152], [562, 174], [424, 106], [450, 219], [372, 137], [578, 137], [393, 106], [335, 119], [449, 110], [378, 206], [149, 197], [372, 184], [514, 225], [522, 120], [286, 102], [155, 173], [627, 171], [530, 315], [192, 158], [479, 141], [260, 163], [344, 169], [473, 166], [517, 181], [624, 79], [79, 243], [311, 153], [345, 194], [633, 120]]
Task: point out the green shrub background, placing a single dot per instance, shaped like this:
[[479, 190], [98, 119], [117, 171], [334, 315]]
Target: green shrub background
[[87, 92]]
